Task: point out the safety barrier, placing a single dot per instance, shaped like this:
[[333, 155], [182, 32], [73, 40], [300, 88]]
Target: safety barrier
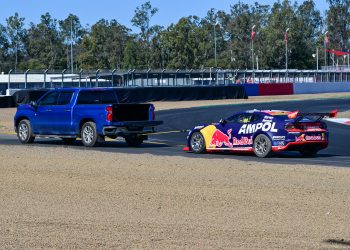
[[322, 87]]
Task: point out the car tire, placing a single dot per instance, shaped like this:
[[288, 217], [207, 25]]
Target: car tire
[[134, 140], [25, 132], [89, 135], [262, 146], [308, 152], [197, 143], [69, 141]]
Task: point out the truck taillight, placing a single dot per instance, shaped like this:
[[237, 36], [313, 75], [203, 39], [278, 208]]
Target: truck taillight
[[109, 116]]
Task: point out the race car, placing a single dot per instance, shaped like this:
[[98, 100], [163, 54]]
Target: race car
[[263, 132]]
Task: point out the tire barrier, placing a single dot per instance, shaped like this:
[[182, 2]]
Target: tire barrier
[[251, 89], [7, 102], [149, 94], [276, 89], [316, 88]]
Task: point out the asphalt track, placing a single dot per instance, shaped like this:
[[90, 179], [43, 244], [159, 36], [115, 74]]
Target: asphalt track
[[337, 154]]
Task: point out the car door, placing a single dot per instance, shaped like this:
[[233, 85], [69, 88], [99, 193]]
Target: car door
[[238, 131], [44, 118], [62, 113]]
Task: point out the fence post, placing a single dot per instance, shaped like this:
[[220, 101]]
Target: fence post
[[63, 71], [9, 81], [113, 71], [80, 73], [97, 73], [45, 72], [26, 78]]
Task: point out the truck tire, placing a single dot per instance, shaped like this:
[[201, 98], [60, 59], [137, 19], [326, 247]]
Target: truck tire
[[262, 146], [89, 135], [25, 132], [134, 140]]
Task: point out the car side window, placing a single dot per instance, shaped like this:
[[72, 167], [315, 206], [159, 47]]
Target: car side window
[[50, 99], [65, 98]]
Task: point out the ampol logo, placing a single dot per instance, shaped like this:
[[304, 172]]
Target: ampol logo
[[252, 128]]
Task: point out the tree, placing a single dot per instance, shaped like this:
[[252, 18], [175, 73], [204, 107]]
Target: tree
[[338, 23], [4, 45], [45, 45], [104, 46], [72, 32], [142, 18], [16, 34]]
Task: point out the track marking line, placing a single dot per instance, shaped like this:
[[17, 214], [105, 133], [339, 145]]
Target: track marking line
[[8, 133]]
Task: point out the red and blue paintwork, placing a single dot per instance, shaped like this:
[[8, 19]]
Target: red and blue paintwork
[[288, 131]]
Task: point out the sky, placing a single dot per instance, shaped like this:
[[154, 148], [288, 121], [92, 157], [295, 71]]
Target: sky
[[90, 11]]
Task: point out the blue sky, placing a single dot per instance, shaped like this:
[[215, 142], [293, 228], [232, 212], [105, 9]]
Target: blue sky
[[89, 11]]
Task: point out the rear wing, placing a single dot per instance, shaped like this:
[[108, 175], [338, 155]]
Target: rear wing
[[299, 116]]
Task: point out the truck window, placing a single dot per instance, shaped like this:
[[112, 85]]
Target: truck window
[[50, 99], [65, 98], [96, 97]]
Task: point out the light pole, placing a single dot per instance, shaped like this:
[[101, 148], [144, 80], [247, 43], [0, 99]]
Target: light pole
[[286, 41], [215, 53], [316, 56], [325, 47], [252, 44]]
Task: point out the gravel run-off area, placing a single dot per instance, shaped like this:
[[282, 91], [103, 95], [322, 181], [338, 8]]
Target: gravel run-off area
[[61, 197]]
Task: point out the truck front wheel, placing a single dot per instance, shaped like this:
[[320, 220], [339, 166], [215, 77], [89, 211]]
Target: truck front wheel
[[25, 132], [134, 140], [89, 135]]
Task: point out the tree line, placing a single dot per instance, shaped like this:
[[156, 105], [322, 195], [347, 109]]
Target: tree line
[[245, 37]]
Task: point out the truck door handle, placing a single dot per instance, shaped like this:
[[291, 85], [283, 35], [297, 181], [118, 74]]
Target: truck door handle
[[67, 110], [49, 110]]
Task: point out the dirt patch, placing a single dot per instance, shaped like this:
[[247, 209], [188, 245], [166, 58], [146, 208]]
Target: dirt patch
[[66, 198]]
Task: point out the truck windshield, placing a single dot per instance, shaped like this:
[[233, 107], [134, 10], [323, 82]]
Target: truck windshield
[[96, 97]]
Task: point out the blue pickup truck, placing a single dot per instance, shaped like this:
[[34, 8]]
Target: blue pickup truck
[[89, 114]]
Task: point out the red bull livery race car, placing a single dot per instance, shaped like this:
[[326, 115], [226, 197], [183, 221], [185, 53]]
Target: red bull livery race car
[[263, 132]]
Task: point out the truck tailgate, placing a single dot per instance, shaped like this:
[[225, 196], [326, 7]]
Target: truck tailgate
[[132, 112]]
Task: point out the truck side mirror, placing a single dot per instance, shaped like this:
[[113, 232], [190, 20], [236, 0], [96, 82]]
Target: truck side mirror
[[34, 104]]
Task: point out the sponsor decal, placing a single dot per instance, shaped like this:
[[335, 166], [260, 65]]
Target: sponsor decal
[[304, 137], [278, 138], [219, 139], [268, 119], [252, 128], [313, 138], [280, 143], [243, 141], [300, 138]]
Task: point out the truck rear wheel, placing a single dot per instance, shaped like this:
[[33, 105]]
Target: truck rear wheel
[[89, 135], [134, 140]]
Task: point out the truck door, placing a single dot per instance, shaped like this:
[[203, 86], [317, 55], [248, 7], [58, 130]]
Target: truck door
[[44, 118], [63, 114], [53, 116]]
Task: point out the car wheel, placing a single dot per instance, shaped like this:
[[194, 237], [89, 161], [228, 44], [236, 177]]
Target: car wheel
[[25, 132], [68, 141], [262, 146], [89, 135], [308, 152], [134, 141], [197, 143]]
